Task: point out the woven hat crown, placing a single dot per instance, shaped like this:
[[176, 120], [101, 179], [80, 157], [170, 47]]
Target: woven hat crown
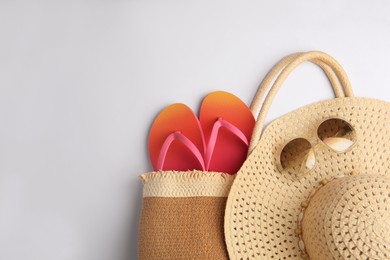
[[348, 218]]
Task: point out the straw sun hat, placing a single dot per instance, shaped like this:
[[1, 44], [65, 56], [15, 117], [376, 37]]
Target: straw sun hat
[[298, 195]]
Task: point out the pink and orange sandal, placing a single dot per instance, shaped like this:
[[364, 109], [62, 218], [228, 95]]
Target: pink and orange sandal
[[218, 142], [176, 140], [227, 125]]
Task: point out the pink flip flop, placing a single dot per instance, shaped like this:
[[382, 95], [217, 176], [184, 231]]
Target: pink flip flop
[[176, 140], [227, 125]]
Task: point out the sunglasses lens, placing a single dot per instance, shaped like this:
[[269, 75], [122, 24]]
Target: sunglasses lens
[[337, 134], [298, 156]]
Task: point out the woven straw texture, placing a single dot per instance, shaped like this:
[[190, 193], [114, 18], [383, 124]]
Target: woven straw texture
[[362, 202], [183, 215], [346, 218], [186, 184]]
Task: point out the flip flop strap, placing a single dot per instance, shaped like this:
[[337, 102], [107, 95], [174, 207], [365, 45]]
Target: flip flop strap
[[184, 140]]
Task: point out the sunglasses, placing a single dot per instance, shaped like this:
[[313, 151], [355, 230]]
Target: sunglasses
[[298, 156]]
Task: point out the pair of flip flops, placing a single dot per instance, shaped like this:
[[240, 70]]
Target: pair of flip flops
[[217, 141]]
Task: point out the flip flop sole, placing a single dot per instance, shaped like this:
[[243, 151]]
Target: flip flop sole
[[229, 151], [176, 118]]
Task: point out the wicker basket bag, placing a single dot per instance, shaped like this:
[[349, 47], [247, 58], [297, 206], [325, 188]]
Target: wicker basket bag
[[182, 215]]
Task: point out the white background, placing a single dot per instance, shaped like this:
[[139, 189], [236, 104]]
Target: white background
[[81, 83]]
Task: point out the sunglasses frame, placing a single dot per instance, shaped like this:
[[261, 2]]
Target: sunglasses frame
[[314, 145]]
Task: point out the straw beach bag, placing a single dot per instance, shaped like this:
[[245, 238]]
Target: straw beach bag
[[182, 215], [183, 209], [316, 183]]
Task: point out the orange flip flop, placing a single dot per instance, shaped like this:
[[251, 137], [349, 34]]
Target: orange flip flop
[[227, 125], [176, 140]]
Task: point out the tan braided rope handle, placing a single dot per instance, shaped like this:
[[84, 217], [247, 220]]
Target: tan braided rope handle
[[329, 65], [273, 73]]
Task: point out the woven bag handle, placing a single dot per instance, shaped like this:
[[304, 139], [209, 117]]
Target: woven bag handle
[[273, 73], [293, 61]]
